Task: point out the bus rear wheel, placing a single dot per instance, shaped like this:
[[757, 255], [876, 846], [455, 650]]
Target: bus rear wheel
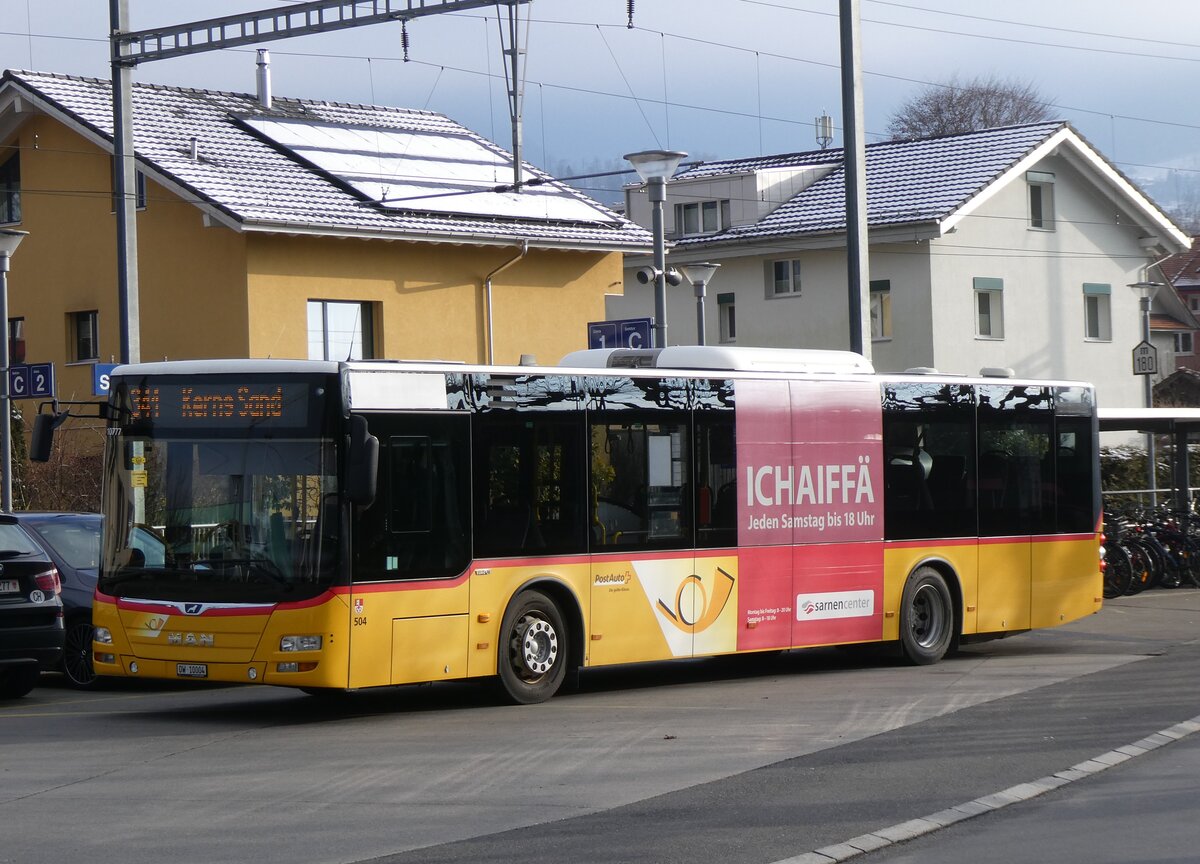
[[926, 617], [533, 649]]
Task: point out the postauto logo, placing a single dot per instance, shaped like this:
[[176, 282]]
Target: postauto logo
[[835, 604]]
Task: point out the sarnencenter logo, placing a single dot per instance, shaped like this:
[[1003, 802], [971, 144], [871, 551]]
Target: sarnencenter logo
[[835, 604]]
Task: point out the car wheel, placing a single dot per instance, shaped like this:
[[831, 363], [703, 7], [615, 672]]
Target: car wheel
[[16, 681], [533, 649], [77, 652]]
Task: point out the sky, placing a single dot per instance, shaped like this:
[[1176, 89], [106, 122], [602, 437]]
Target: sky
[[714, 78]]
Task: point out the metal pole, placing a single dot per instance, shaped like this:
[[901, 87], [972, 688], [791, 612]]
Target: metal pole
[[656, 190], [700, 286], [124, 186], [854, 159], [1148, 386], [1180, 475], [5, 401], [516, 88]]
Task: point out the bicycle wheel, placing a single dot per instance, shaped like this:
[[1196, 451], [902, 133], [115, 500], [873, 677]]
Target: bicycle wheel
[[1191, 551], [1118, 571], [1143, 566], [1172, 573], [1173, 567]]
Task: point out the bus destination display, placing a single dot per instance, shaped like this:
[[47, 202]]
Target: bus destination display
[[224, 404]]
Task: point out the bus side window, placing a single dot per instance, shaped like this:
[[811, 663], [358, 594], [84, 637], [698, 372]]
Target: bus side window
[[1015, 435], [641, 489], [529, 483], [929, 470], [716, 472], [419, 524]]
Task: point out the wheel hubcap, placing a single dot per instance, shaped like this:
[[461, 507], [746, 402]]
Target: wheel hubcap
[[537, 646], [929, 618]]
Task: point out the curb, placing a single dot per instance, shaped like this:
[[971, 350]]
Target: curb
[[1014, 794]]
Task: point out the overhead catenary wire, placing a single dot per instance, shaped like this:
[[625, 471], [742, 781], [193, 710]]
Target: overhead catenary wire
[[713, 43], [668, 103]]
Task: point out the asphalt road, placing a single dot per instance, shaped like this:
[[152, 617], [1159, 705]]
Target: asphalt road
[[1143, 811], [737, 760]]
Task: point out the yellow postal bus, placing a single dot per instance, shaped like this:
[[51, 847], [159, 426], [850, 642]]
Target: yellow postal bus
[[351, 525]]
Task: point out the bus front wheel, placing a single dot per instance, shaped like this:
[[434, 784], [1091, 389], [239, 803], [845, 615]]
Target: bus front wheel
[[533, 649], [926, 617]]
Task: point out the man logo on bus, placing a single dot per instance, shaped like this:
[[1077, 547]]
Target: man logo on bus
[[694, 610]]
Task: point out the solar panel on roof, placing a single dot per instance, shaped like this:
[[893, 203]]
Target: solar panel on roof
[[436, 172]]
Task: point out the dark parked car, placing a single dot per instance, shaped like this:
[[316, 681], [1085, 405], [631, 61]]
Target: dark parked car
[[73, 542], [31, 611]]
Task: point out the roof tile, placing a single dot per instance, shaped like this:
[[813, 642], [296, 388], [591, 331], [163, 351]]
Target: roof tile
[[907, 181], [260, 186]]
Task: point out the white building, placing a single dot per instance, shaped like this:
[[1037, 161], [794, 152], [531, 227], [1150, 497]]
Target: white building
[[1009, 247]]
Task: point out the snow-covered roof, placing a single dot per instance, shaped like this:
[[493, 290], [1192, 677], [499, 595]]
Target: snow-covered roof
[[934, 180], [305, 166]]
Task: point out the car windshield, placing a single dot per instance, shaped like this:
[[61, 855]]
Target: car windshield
[[220, 520], [76, 540]]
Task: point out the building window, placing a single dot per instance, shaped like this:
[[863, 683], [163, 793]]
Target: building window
[[701, 217], [1183, 343], [728, 317], [10, 190], [85, 335], [881, 309], [339, 330], [1194, 303], [1097, 312], [16, 340], [141, 188], [783, 278], [1041, 199], [989, 308]]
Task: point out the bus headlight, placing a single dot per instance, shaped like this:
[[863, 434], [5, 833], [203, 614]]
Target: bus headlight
[[300, 643], [102, 635]]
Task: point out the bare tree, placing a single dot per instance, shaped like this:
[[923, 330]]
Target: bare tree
[[980, 103], [70, 480]]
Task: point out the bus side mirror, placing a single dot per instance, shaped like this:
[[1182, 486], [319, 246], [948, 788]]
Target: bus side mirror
[[362, 463], [42, 438]]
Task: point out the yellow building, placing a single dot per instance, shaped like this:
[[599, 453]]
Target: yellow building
[[289, 228]]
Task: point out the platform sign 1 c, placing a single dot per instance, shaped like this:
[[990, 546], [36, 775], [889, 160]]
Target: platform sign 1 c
[[622, 333]]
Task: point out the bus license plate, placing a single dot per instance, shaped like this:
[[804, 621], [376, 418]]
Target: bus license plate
[[9, 586], [191, 670]]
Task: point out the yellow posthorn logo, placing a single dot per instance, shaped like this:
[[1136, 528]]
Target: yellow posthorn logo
[[694, 611]]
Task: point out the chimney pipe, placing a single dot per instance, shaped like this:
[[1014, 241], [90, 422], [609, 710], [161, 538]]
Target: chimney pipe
[[264, 78]]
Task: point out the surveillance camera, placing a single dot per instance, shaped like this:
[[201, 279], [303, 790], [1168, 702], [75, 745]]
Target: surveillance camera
[[645, 275], [674, 277]]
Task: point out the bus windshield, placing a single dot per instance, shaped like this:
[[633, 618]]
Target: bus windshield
[[220, 520], [221, 488]]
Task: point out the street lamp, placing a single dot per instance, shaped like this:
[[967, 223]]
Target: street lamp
[[1145, 292], [655, 167], [699, 275], [10, 239]]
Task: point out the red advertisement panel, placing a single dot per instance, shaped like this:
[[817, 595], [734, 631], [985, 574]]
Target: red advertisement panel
[[838, 593], [810, 462], [810, 512], [765, 597]]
